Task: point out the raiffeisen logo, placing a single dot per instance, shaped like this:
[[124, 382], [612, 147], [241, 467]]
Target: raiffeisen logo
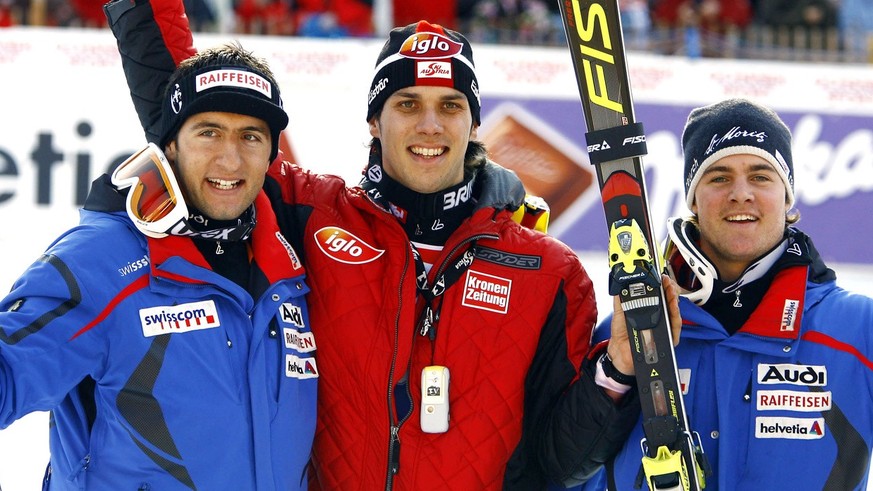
[[345, 247], [429, 45]]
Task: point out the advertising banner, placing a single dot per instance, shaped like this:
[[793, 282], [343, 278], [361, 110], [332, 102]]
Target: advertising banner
[[67, 118]]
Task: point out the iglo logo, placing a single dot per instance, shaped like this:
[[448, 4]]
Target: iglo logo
[[429, 45], [345, 247]]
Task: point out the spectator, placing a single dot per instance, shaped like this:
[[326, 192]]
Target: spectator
[[334, 18], [803, 24], [855, 20], [201, 14], [89, 12], [699, 27], [511, 21], [443, 12], [635, 23]]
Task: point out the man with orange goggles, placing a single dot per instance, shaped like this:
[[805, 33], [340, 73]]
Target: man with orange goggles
[[172, 342], [454, 342]]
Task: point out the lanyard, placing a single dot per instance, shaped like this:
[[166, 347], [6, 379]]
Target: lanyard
[[430, 294]]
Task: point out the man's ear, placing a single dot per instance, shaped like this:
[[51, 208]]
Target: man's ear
[[170, 150]]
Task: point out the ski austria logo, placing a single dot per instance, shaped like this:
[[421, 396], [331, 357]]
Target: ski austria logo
[[302, 368], [486, 292], [178, 318], [433, 69], [429, 45], [345, 247]]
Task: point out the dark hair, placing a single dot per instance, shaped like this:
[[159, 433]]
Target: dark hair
[[229, 54], [224, 78]]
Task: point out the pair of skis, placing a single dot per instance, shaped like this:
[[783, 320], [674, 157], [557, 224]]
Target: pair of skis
[[673, 456]]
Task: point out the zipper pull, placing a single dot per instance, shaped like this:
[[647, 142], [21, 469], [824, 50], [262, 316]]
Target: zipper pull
[[432, 332], [737, 303], [395, 450], [426, 321]]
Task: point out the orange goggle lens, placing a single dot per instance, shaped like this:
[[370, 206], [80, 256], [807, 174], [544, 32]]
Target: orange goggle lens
[[154, 201]]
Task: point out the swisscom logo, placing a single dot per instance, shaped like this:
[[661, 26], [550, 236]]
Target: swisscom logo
[[345, 247]]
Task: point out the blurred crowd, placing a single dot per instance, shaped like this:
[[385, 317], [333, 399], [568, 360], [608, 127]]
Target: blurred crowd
[[713, 28]]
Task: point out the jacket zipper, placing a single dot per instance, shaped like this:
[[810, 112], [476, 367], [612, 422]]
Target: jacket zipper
[[394, 439], [394, 426]]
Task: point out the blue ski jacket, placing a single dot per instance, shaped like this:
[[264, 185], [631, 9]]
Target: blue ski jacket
[[784, 403], [161, 374]]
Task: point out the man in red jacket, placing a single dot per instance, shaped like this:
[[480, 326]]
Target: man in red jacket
[[454, 343]]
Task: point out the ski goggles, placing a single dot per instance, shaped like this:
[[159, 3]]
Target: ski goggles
[[154, 202], [696, 278]]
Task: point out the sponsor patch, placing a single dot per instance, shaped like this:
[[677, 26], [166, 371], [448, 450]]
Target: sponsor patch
[[178, 318], [433, 69], [788, 373], [792, 400], [789, 315], [486, 292], [233, 78], [291, 314], [429, 45], [520, 261], [345, 247], [789, 428], [303, 342], [292, 254], [458, 196], [301, 368], [684, 380], [134, 266]]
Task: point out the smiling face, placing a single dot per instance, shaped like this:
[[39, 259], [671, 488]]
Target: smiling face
[[221, 160], [424, 132], [740, 203]]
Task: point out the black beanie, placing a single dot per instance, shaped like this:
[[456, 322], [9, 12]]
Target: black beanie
[[735, 126], [231, 89], [424, 54]]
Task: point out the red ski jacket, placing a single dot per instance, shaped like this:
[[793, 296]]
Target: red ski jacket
[[513, 331], [514, 326]]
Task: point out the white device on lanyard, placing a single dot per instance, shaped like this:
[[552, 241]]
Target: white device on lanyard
[[435, 399]]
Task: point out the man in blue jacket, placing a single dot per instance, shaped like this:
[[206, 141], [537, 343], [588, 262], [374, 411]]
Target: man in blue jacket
[[171, 342], [775, 358]]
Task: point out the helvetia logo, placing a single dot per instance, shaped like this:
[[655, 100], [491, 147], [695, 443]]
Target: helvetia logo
[[789, 428], [345, 247], [302, 368]]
